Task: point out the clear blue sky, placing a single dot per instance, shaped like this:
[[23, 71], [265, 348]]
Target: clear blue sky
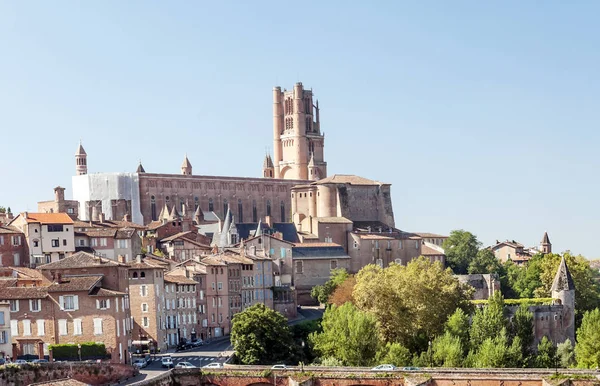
[[482, 115]]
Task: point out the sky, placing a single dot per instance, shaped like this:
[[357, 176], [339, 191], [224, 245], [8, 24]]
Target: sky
[[482, 115]]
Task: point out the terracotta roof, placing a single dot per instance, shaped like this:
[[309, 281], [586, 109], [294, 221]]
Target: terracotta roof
[[145, 265], [9, 229], [334, 220], [75, 283], [125, 233], [346, 179], [81, 259], [212, 260], [24, 293], [98, 232], [154, 225], [48, 218], [107, 224], [99, 291], [316, 245], [7, 282], [428, 251], [178, 279], [430, 235], [30, 273]]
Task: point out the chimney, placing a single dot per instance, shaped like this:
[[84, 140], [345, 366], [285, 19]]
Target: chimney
[[59, 194], [25, 215], [126, 217], [95, 214], [138, 258], [121, 259]]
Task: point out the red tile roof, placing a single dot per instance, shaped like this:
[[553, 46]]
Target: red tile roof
[[178, 279], [24, 293], [48, 218], [75, 283], [316, 245]]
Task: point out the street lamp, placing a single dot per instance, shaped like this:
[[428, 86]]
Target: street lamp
[[79, 351]]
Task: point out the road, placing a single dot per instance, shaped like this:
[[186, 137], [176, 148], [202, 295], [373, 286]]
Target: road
[[218, 351]]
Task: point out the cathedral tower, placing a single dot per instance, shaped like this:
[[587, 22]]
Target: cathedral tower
[[297, 135], [80, 161], [546, 245], [268, 168], [186, 167]]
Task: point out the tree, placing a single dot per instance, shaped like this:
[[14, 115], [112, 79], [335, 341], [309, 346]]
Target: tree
[[458, 326], [2, 209], [485, 262], [395, 354], [497, 352], [448, 350], [322, 292], [525, 280], [343, 292], [262, 336], [565, 353], [348, 335], [487, 322], [331, 362], [300, 333], [522, 326], [411, 303], [546, 354], [587, 349], [461, 247]]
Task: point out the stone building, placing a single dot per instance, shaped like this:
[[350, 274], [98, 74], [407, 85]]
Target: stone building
[[5, 336], [59, 204], [485, 285], [517, 252], [182, 313], [13, 247]]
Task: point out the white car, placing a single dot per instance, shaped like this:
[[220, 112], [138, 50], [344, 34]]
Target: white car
[[279, 367], [185, 365], [214, 365], [384, 368], [140, 363], [167, 362]]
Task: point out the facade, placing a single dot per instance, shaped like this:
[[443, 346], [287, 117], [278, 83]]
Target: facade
[[5, 336], [298, 144], [217, 296], [50, 236], [432, 238], [59, 204], [517, 252], [485, 285], [13, 247], [181, 314]]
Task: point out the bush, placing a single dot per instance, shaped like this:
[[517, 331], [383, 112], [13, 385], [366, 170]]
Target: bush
[[89, 350]]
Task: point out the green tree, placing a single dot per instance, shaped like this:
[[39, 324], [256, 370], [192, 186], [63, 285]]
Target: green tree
[[448, 350], [461, 248], [488, 321], [458, 325], [522, 326], [566, 353], [300, 333], [322, 292], [524, 280], [331, 362], [348, 335], [546, 354], [411, 303], [395, 354], [497, 352], [485, 262], [2, 209], [262, 336], [587, 349]]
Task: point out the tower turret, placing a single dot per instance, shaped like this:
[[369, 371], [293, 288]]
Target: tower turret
[[268, 168], [80, 161], [563, 293], [546, 245], [313, 170], [186, 167], [140, 168]]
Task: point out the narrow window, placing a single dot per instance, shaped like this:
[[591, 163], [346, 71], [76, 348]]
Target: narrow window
[[153, 207], [254, 214]]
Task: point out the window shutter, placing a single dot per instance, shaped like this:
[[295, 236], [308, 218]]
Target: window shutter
[[61, 302], [108, 304], [76, 302], [31, 304], [14, 328], [97, 304]]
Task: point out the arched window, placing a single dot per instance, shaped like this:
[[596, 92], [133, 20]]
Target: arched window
[[142, 274], [211, 206], [225, 207], [135, 275], [167, 200], [268, 207], [196, 203], [240, 211], [308, 129], [181, 205], [153, 207], [282, 211], [254, 214]]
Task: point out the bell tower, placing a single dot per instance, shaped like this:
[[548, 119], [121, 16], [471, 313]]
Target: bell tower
[[297, 137], [80, 161]]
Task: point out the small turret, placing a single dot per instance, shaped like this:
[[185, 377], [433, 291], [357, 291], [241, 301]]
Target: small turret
[[80, 161], [546, 245], [313, 170], [186, 167], [198, 215], [140, 168], [563, 293], [268, 168]]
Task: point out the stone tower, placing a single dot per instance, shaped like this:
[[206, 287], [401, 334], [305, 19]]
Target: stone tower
[[563, 293], [80, 161], [546, 245], [186, 167], [268, 168], [297, 135]]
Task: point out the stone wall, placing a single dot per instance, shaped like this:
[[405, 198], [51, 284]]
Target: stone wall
[[89, 373]]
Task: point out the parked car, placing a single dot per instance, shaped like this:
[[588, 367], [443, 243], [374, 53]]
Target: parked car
[[39, 361], [20, 362], [197, 343], [185, 365], [279, 367], [384, 368], [214, 365], [140, 363], [167, 362], [410, 369]]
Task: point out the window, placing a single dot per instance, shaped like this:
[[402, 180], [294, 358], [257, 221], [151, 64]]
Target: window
[[254, 214], [399, 244], [3, 337], [103, 242], [355, 244], [16, 259], [97, 326], [144, 307], [26, 327], [1, 240], [225, 207], [41, 327], [268, 207], [55, 228], [103, 304], [77, 327], [144, 290], [82, 243], [36, 243], [417, 244], [2, 321], [122, 243], [14, 328], [94, 242], [398, 261], [282, 252], [240, 211], [14, 305], [70, 210], [153, 207], [69, 302], [62, 327], [282, 208], [64, 242], [142, 274], [35, 305], [211, 206], [220, 285], [145, 322], [55, 243], [299, 267], [333, 264]]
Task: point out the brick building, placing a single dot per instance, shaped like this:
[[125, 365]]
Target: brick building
[[5, 337], [59, 204], [109, 239], [13, 247], [181, 294]]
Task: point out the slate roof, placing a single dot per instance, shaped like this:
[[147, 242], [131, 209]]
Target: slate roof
[[140, 169], [81, 259], [563, 280], [75, 283], [545, 239]]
